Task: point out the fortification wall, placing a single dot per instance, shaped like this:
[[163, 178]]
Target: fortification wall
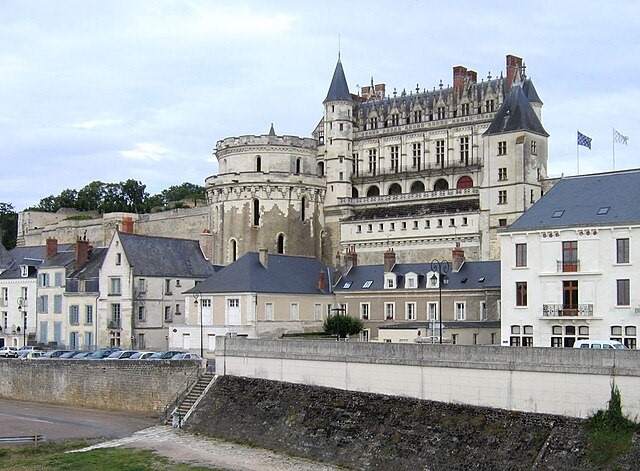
[[569, 382], [141, 387]]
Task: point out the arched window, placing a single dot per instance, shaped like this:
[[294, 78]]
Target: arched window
[[258, 164], [395, 189], [354, 193], [233, 250], [298, 165], [373, 191], [280, 243], [256, 212], [303, 207], [465, 182], [441, 185], [417, 187]]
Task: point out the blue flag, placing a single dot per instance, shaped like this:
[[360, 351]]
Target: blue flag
[[584, 140]]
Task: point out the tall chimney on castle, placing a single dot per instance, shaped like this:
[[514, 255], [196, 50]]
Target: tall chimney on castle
[[51, 247], [457, 258], [389, 260], [459, 74], [514, 64], [352, 258]]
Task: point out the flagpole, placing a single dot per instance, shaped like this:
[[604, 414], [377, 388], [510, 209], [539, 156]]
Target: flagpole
[[613, 146], [577, 154]]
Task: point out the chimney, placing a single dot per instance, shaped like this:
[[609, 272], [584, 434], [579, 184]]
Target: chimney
[[459, 73], [81, 251], [457, 258], [127, 225], [472, 75], [352, 258], [321, 285], [264, 257], [51, 248], [514, 64], [389, 260], [205, 239]]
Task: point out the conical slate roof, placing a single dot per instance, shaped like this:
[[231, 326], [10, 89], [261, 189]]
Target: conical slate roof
[[516, 114], [338, 90], [530, 91]]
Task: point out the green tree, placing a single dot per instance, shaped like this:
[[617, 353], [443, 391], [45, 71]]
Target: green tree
[[66, 199], [90, 196], [8, 225], [182, 192], [343, 325], [134, 196]]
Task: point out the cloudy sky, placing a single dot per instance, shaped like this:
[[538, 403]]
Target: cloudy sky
[[110, 90]]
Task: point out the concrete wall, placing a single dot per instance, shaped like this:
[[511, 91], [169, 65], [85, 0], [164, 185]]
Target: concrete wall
[[568, 382], [141, 387]]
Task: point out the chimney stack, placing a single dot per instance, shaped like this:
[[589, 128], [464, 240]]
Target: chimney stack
[[264, 257], [51, 248], [205, 239], [457, 258], [459, 73], [321, 285], [127, 224], [81, 252], [389, 260], [352, 258], [514, 64]]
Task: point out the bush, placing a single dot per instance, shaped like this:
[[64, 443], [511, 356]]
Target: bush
[[344, 324]]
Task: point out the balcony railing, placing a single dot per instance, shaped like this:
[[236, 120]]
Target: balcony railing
[[560, 310], [568, 266], [409, 197]]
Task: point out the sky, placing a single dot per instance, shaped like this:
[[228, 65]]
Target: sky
[[143, 89]]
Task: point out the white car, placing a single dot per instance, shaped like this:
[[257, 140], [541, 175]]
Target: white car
[[8, 352]]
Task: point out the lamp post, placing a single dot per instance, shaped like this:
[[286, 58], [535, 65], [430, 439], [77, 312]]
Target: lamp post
[[198, 296], [442, 267], [24, 320], [338, 310]]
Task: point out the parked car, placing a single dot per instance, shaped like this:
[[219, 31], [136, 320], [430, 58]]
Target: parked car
[[68, 355], [100, 354], [121, 355], [168, 355], [31, 354], [29, 348], [599, 344], [54, 354], [81, 355], [141, 355], [8, 352], [186, 356]]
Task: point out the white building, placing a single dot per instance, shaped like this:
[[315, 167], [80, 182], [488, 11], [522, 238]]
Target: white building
[[569, 264]]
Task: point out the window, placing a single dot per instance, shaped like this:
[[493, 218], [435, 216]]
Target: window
[[118, 258], [24, 271], [534, 148], [570, 298], [441, 112], [364, 311], [373, 160], [88, 340], [417, 155], [483, 311], [410, 311], [317, 312], [73, 340], [454, 339], [167, 314], [465, 109], [43, 280], [440, 152], [502, 173], [502, 148], [380, 227], [502, 222], [557, 213], [622, 292], [390, 281], [432, 311], [358, 228], [268, 311], [464, 150], [489, 106], [141, 342], [460, 311], [142, 314], [570, 256], [502, 197], [294, 312], [417, 116], [389, 310], [373, 123], [622, 250], [411, 281], [142, 285], [566, 336], [521, 293], [521, 255], [206, 303], [392, 226], [256, 212], [115, 316], [57, 304], [43, 304], [114, 286], [57, 279], [521, 336], [74, 314], [395, 158], [167, 286], [395, 119], [88, 314], [367, 284], [258, 164], [415, 224], [4, 297]]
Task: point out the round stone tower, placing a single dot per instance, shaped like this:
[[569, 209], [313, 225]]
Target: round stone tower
[[266, 194]]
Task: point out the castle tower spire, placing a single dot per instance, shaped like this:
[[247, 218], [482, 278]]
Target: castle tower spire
[[338, 90]]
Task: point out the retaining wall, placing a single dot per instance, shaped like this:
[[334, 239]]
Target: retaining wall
[[569, 382]]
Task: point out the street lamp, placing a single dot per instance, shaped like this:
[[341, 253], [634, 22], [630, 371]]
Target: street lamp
[[24, 321], [198, 295], [442, 267], [338, 310]]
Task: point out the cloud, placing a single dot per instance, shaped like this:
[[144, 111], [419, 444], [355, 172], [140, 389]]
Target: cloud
[[148, 151], [96, 123]]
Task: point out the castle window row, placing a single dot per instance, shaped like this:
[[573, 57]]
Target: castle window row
[[415, 225], [567, 335]]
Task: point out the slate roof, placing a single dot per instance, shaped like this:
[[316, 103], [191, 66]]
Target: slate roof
[[583, 199], [417, 210], [338, 90], [5, 258], [91, 269], [530, 91], [284, 274], [516, 114], [31, 256], [62, 258], [164, 256], [468, 277]]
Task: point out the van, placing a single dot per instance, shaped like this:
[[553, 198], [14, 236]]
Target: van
[[599, 344]]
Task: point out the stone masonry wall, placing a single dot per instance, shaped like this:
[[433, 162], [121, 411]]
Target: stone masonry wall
[[141, 387]]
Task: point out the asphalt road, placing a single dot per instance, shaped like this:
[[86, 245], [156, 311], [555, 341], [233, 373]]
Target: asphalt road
[[63, 423]]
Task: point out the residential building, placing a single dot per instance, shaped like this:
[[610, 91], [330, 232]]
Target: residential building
[[569, 264]]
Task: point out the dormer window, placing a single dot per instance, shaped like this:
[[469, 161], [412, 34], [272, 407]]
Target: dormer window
[[411, 281], [390, 281], [24, 271]]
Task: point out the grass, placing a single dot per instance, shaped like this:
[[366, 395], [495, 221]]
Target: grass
[[610, 433], [52, 457]]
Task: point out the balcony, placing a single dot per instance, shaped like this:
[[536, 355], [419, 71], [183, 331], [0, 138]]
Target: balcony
[[114, 324], [568, 266], [560, 310]]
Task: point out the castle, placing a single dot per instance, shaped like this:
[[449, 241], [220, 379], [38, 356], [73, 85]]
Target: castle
[[416, 172]]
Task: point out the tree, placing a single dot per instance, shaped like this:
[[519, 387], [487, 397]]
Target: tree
[[8, 225], [184, 191], [342, 323], [90, 196], [66, 199], [134, 196]]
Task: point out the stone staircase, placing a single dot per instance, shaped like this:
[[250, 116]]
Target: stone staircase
[[192, 398]]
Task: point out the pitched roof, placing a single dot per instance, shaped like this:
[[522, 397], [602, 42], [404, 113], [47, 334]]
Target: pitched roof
[[5, 258], [283, 274], [338, 90], [530, 91], [91, 269], [601, 199], [472, 275], [30, 256], [516, 114], [164, 256]]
